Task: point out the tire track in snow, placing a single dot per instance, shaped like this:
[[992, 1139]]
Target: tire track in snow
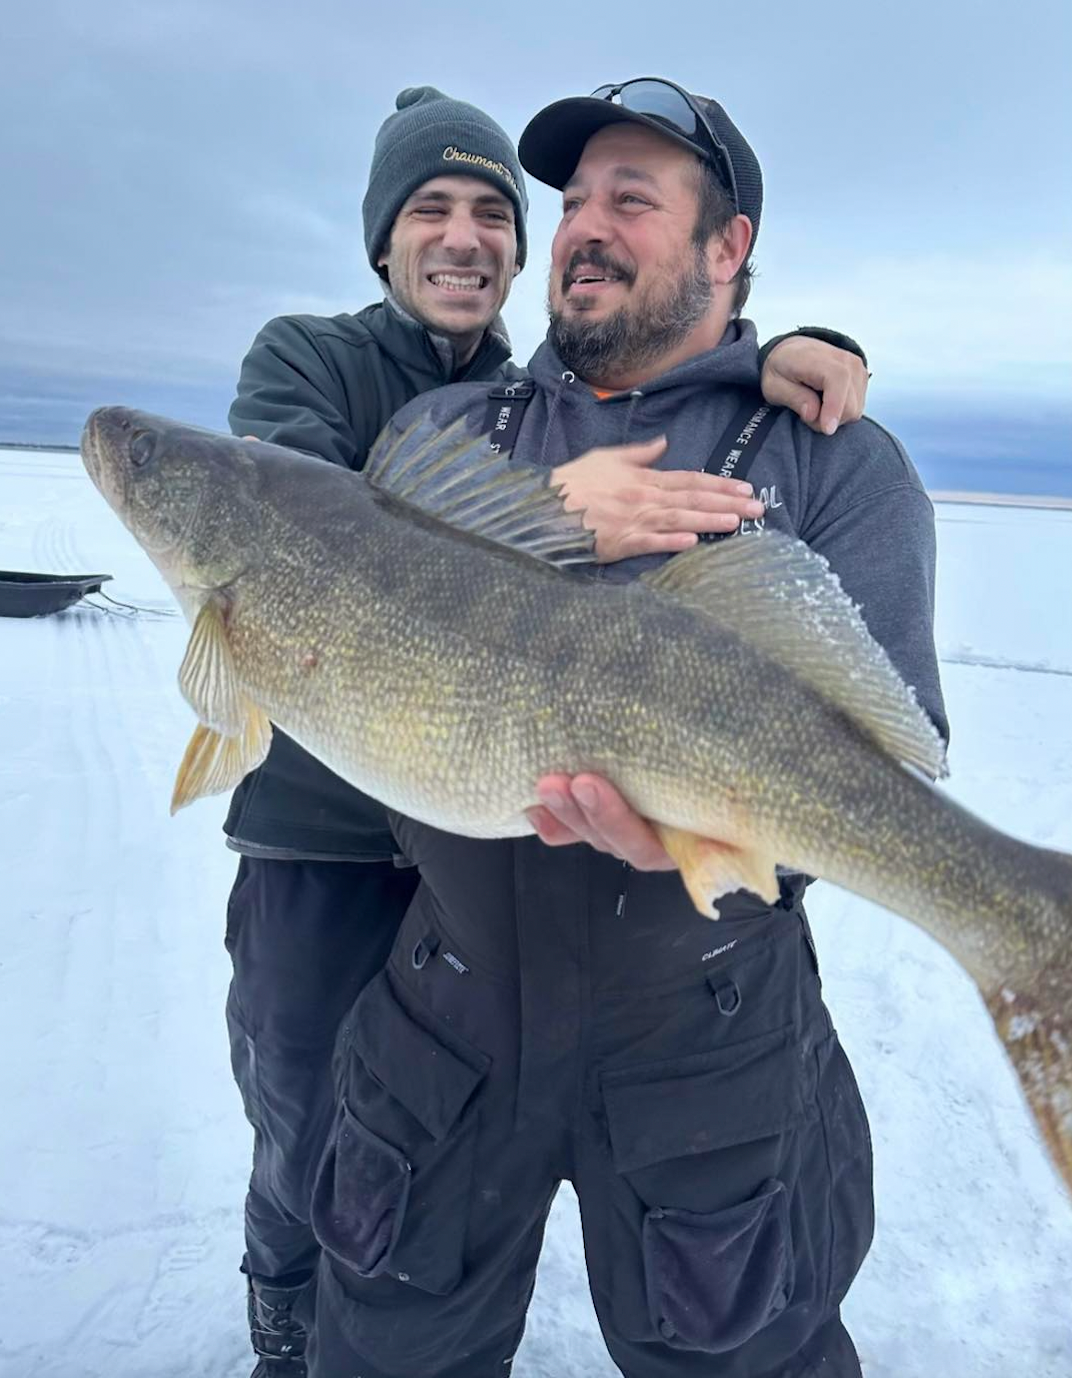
[[176, 1285], [133, 1288], [997, 663], [117, 657], [102, 661], [76, 639], [46, 1242], [123, 735]]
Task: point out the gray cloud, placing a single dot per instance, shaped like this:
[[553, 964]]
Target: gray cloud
[[173, 173]]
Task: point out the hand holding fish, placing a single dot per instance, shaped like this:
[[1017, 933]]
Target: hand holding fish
[[824, 385], [635, 509], [587, 808]]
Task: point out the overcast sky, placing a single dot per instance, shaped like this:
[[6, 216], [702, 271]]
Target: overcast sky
[[173, 174]]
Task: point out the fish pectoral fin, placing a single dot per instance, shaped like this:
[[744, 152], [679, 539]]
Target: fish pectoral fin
[[213, 763], [208, 677], [712, 869]]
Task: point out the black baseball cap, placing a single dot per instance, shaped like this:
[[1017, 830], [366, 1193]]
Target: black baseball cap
[[552, 143]]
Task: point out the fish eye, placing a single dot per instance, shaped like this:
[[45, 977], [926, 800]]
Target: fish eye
[[141, 448]]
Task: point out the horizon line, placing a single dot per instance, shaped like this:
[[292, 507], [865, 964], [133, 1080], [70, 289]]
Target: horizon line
[[942, 495]]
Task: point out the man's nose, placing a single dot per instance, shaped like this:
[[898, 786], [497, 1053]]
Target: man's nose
[[588, 225], [460, 234]]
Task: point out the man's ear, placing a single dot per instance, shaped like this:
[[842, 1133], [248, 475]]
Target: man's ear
[[517, 267], [728, 250]]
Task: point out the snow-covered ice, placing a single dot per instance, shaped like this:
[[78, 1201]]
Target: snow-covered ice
[[123, 1151]]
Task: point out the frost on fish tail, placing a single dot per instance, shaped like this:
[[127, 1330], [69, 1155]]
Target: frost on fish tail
[[1036, 1029]]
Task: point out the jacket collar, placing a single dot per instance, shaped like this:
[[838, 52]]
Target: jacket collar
[[413, 344]]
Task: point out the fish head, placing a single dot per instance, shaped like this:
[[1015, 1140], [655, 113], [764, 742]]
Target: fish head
[[186, 494]]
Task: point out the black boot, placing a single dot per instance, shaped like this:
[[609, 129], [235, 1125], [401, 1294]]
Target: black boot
[[278, 1337]]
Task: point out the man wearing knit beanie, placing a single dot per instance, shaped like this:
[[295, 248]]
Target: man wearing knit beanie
[[430, 135], [438, 147], [318, 899]]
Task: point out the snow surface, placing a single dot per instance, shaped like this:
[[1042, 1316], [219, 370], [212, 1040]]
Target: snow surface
[[123, 1151]]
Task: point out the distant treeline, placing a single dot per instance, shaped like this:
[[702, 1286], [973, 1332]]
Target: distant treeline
[[28, 445]]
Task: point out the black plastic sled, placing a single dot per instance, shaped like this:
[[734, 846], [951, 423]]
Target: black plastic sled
[[34, 595]]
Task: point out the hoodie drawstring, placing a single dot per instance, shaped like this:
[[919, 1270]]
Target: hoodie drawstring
[[634, 398], [563, 381]]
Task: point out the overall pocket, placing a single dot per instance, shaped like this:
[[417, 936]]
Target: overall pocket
[[716, 1280], [393, 1187], [360, 1196], [708, 1147]]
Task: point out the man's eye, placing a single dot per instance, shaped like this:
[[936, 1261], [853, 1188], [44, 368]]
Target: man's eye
[[569, 206], [428, 210], [501, 216], [630, 199]]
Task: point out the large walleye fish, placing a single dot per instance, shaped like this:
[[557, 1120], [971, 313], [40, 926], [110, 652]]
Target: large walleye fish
[[414, 628]]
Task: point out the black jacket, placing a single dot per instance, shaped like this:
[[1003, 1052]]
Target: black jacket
[[328, 386]]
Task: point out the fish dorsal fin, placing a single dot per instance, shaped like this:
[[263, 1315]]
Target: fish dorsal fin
[[461, 481], [783, 599]]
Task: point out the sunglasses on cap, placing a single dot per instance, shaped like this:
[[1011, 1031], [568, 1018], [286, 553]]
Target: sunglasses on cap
[[661, 100]]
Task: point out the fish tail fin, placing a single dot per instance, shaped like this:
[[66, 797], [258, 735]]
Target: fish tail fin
[[1034, 1018], [1039, 1043]]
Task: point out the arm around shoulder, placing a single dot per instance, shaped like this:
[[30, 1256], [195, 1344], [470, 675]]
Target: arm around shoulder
[[289, 395], [820, 374]]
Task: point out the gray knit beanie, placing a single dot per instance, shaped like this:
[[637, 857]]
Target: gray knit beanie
[[429, 136]]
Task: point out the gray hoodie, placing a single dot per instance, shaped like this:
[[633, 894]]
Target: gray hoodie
[[854, 497]]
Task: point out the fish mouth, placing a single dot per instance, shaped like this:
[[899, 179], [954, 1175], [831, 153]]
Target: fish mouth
[[98, 440], [105, 449], [89, 444]]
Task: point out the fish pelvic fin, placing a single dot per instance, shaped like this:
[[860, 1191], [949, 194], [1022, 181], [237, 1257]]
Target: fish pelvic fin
[[233, 735], [783, 599], [213, 763], [1036, 1030], [712, 869], [208, 677], [460, 480]]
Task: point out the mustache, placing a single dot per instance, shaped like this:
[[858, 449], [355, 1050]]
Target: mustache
[[595, 257]]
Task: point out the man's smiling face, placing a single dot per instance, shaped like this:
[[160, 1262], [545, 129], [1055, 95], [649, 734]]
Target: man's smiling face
[[452, 255], [628, 214], [631, 290]]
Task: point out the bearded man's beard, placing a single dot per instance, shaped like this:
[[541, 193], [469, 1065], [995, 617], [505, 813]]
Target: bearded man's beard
[[637, 334]]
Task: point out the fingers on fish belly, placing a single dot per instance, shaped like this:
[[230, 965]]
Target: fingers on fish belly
[[1037, 1034], [712, 869]]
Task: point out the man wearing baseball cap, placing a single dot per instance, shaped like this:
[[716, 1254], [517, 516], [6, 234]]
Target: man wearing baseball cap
[[551, 1014], [444, 225]]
